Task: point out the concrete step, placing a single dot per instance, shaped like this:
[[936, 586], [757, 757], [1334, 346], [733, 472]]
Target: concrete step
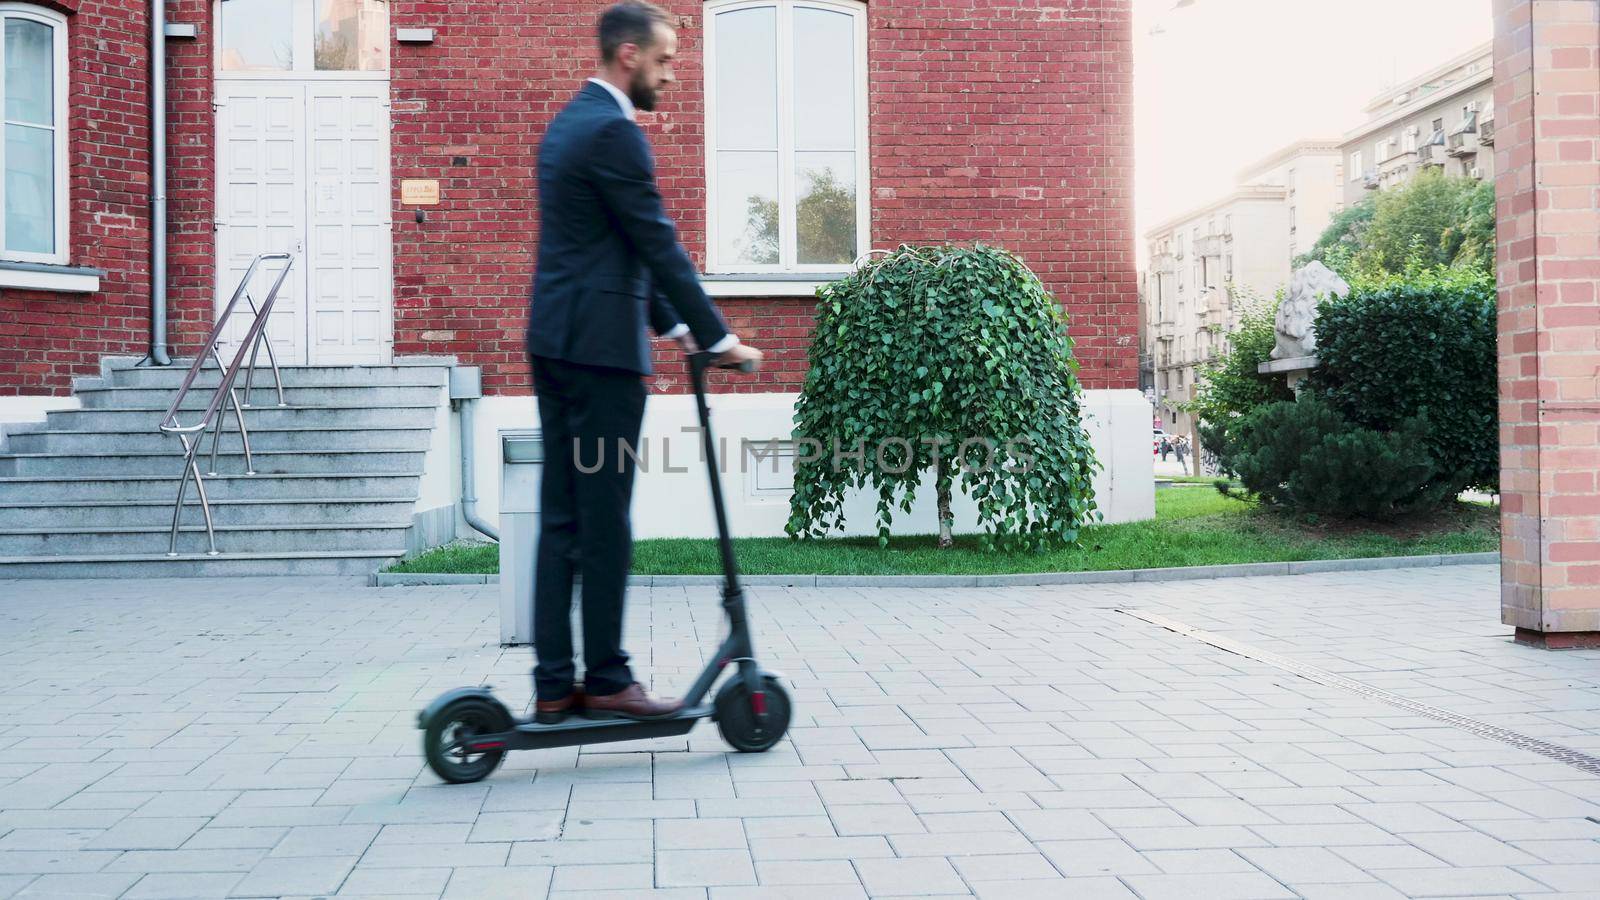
[[227, 486], [117, 541], [159, 565], [97, 420], [88, 514], [260, 398], [170, 462], [312, 438], [293, 376]]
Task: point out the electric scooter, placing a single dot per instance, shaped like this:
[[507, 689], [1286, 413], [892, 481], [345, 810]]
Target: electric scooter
[[467, 732]]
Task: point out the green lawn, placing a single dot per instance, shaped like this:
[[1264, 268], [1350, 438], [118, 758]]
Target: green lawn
[[1194, 526]]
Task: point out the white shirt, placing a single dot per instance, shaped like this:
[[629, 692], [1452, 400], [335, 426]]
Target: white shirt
[[727, 343], [620, 97]]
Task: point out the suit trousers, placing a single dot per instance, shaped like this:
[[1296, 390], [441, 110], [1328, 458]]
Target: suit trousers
[[590, 418]]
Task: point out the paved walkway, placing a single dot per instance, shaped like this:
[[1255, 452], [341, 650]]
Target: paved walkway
[[255, 738]]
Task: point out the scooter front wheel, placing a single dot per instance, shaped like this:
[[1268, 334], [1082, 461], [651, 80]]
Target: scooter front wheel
[[737, 719], [444, 739]]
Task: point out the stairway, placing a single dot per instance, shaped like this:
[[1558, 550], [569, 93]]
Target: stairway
[[89, 492]]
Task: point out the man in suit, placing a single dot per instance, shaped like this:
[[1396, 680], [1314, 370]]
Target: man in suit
[[609, 264]]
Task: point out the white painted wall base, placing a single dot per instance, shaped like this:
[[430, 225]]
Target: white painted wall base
[[671, 498], [32, 409]]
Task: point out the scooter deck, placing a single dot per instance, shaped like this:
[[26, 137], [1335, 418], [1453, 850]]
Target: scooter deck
[[578, 730]]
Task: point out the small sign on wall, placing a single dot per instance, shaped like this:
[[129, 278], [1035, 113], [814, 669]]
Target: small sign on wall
[[419, 191]]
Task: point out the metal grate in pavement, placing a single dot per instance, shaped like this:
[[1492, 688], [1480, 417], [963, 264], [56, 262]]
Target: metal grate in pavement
[[1575, 758]]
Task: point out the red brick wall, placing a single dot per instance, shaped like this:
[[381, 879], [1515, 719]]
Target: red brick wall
[[1006, 121], [46, 338], [1547, 118]]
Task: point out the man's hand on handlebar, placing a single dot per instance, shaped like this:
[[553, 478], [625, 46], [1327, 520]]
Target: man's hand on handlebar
[[743, 357]]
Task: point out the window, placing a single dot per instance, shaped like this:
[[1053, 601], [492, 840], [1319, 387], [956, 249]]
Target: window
[[786, 119], [33, 67], [1408, 141], [1438, 125], [281, 36], [1355, 165], [1293, 218]]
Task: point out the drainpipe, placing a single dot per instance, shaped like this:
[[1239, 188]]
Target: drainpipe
[[469, 493], [158, 186]]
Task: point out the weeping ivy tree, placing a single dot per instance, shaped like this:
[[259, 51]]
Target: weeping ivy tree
[[953, 362]]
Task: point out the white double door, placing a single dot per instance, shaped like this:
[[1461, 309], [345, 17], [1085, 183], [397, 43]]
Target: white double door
[[303, 167]]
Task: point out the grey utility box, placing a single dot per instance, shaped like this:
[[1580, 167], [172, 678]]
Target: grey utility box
[[521, 465]]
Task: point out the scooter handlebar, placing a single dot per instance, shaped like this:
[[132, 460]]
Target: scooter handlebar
[[705, 360]]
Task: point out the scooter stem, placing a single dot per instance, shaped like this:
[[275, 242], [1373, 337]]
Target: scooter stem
[[698, 364]]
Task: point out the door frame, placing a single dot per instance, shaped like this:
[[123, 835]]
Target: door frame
[[307, 79]]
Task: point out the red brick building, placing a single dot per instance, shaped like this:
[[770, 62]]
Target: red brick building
[[293, 123], [390, 146]]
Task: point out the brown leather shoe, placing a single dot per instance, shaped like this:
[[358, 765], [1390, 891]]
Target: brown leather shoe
[[554, 712], [630, 703]]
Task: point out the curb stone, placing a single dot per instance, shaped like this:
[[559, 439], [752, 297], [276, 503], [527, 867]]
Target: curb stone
[[1036, 579]]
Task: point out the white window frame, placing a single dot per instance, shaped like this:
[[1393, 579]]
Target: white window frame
[[787, 239], [303, 34], [1356, 172], [60, 86]]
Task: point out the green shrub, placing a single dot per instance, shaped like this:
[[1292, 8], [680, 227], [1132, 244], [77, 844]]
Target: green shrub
[[1230, 386], [1366, 474], [1304, 456], [1418, 344], [945, 344]]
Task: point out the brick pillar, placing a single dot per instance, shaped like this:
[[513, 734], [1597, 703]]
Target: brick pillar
[[1547, 117]]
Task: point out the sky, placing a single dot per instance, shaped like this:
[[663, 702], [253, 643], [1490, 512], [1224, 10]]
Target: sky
[[1227, 82]]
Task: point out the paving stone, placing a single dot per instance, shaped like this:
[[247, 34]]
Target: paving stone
[[803, 848], [84, 885], [507, 883], [532, 825], [183, 886], [405, 856], [1458, 881], [690, 868], [147, 834], [1295, 866], [606, 876], [807, 874], [1041, 889], [876, 819], [1078, 859], [1240, 885], [908, 877], [1005, 867], [298, 875], [389, 882], [700, 834], [960, 844]]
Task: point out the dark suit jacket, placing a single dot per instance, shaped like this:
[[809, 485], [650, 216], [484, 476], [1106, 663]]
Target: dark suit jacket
[[609, 258]]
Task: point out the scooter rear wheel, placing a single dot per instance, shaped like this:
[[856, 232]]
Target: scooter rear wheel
[[444, 739], [736, 717]]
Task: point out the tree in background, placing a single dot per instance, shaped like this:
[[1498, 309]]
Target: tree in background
[[826, 222], [1343, 236], [1432, 220]]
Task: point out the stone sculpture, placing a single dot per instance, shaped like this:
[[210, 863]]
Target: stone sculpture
[[1297, 316]]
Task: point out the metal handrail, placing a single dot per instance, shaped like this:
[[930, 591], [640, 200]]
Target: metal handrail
[[254, 337]]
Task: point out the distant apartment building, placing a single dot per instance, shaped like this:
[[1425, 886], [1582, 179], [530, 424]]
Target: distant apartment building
[[1441, 119], [1204, 261]]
